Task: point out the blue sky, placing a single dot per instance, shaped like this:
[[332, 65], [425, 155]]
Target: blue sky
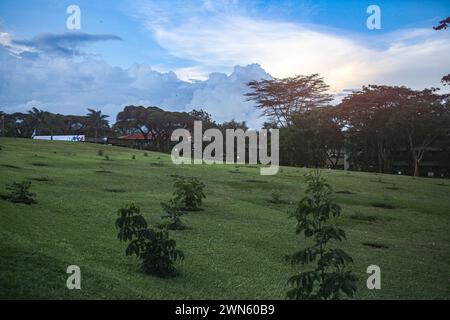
[[143, 49]]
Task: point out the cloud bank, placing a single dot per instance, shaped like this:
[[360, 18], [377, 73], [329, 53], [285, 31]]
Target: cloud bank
[[58, 82]]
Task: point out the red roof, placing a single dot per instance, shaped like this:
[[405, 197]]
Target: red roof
[[136, 136]]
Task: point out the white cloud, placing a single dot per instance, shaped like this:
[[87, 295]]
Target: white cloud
[[14, 48], [217, 40], [70, 86]]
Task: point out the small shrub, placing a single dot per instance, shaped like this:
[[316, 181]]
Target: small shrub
[[133, 157], [155, 248], [328, 277], [146, 154], [188, 193], [107, 157], [20, 193], [172, 216], [276, 197], [100, 153]]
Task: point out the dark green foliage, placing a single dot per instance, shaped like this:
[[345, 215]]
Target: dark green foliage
[[276, 197], [20, 193], [172, 216], [100, 153], [106, 157], [154, 247], [188, 192], [328, 277], [146, 154], [133, 157]]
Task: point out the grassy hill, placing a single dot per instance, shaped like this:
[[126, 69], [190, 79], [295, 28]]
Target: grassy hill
[[234, 248]]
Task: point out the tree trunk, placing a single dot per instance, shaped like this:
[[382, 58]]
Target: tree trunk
[[416, 168]]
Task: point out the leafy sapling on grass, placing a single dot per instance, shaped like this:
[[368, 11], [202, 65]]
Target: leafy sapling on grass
[[188, 193], [154, 247], [172, 216], [327, 277], [20, 193]]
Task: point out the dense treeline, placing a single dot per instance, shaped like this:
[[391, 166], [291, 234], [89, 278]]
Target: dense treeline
[[378, 128], [40, 122]]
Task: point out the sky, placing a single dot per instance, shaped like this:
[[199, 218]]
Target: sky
[[187, 54]]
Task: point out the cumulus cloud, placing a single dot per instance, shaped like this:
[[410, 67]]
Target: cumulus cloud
[[70, 86]]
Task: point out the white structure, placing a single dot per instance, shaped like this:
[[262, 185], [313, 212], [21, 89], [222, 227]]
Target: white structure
[[76, 138]]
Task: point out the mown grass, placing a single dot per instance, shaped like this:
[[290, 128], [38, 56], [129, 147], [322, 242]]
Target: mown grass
[[234, 248]]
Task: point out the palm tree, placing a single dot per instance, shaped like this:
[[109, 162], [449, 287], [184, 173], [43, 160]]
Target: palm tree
[[37, 118], [96, 120]]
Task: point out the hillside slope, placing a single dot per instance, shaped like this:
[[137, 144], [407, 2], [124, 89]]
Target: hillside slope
[[234, 248]]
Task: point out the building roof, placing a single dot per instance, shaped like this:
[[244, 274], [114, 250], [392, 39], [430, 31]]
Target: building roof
[[136, 136]]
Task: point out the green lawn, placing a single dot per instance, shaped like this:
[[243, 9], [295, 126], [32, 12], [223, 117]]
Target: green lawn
[[234, 248]]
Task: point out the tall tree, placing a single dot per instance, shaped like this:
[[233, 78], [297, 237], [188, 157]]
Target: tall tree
[[97, 121], [365, 115], [282, 99], [422, 120], [37, 119], [153, 122]]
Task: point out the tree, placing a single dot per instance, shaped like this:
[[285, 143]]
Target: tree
[[421, 120], [365, 114], [155, 248], [233, 124], [282, 99], [446, 80], [37, 119], [443, 24], [204, 117], [153, 122], [96, 120], [328, 279], [318, 135], [188, 193]]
